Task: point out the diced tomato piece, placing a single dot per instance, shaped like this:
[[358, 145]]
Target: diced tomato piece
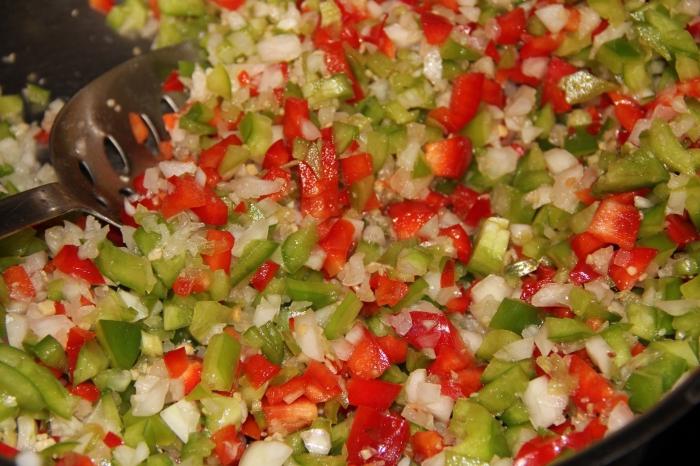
[[112, 440], [229, 4], [228, 445], [628, 265], [435, 27], [373, 393], [356, 167], [585, 243], [368, 360], [460, 240], [212, 156], [594, 390], [219, 257], [74, 459], [616, 223], [407, 217], [277, 155], [187, 194], [389, 292], [382, 433], [77, 337], [681, 230], [176, 362], [18, 283], [337, 244], [395, 348], [512, 26], [289, 418], [582, 273], [551, 92], [87, 391], [426, 444], [449, 158], [265, 273], [68, 261], [296, 113]]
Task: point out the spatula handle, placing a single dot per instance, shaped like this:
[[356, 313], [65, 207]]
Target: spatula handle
[[35, 206]]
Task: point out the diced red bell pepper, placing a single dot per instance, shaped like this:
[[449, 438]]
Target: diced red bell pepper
[[356, 167], [680, 230], [192, 375], [435, 27], [512, 26], [212, 156], [450, 359], [265, 273], [187, 194], [582, 273], [585, 243], [449, 158], [466, 97], [426, 444], [378, 37], [321, 383], [87, 391], [337, 244], [77, 337], [229, 4], [374, 393], [259, 370], [219, 257], [368, 360], [112, 440], [286, 392], [382, 433], [447, 277], [277, 155], [18, 282], [281, 175], [395, 348], [627, 110], [214, 211], [532, 284], [469, 206], [68, 262], [407, 217], [594, 390], [74, 459], [296, 112], [432, 330], [389, 292], [6, 451], [460, 240], [228, 445], [138, 128], [191, 280], [616, 223], [176, 362], [492, 93], [172, 82], [102, 6], [289, 418], [250, 428], [628, 265], [540, 451], [540, 46], [551, 92]]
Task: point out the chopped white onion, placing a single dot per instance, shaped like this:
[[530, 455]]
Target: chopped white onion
[[182, 418], [498, 161], [267, 453], [150, 395], [280, 48], [545, 408], [317, 441], [127, 456], [600, 353], [552, 294], [620, 416], [554, 17], [171, 168], [517, 350], [535, 67], [308, 336], [559, 160], [267, 309]]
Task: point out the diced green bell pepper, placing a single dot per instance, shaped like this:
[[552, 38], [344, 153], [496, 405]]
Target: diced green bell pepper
[[666, 147], [495, 340], [205, 316], [566, 330], [296, 249], [490, 248], [514, 315], [124, 268], [121, 340], [91, 361], [638, 170], [221, 362], [254, 254], [343, 316], [16, 385], [479, 435], [499, 394]]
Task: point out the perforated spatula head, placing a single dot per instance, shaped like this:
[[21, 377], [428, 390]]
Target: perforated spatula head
[[93, 149]]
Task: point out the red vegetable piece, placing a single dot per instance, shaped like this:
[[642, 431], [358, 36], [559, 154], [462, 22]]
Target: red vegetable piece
[[585, 243], [74, 459], [296, 113], [368, 360], [219, 257], [228, 445], [356, 167], [395, 348], [512, 26], [321, 383], [176, 362], [383, 433], [77, 337], [460, 240], [407, 217], [681, 230], [449, 158], [263, 275], [337, 244], [582, 273], [18, 282], [466, 97], [616, 223], [289, 418], [112, 440], [229, 4], [551, 92], [373, 393], [68, 262], [426, 444], [435, 27], [389, 292], [212, 156], [87, 391], [594, 390], [628, 265], [277, 155], [187, 194]]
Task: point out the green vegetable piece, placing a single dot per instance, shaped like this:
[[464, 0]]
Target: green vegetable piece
[[121, 340], [222, 411], [206, 315], [124, 268], [218, 81], [319, 91], [11, 106], [415, 292], [495, 340], [680, 348], [491, 245], [344, 315], [648, 323], [516, 414], [254, 254], [14, 384], [50, 352], [296, 249], [318, 293], [565, 330], [91, 361], [177, 312], [612, 10], [514, 315], [500, 394], [478, 434], [182, 7], [688, 324], [160, 459], [37, 95], [498, 367], [256, 130], [669, 150], [221, 362], [646, 385], [583, 86], [343, 135], [638, 170]]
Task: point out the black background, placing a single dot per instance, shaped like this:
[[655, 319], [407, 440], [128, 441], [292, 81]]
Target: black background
[[67, 50]]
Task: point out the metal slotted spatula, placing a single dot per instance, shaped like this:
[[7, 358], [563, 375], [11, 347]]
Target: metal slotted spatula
[[92, 147]]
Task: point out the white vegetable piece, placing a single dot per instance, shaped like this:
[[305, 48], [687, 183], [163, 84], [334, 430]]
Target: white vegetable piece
[[182, 418], [266, 453], [308, 336], [545, 408], [317, 441]]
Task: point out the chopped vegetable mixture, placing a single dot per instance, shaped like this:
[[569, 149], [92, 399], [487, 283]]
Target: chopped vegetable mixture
[[430, 233]]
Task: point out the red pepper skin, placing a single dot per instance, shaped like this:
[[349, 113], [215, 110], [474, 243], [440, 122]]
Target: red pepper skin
[[77, 337], [449, 158], [68, 262], [407, 217], [289, 391], [389, 292], [220, 256], [277, 155], [681, 230], [176, 362], [585, 243], [431, 330], [356, 167], [469, 206], [492, 93], [259, 370], [251, 429], [512, 26], [87, 391], [395, 348], [627, 110], [460, 240], [112, 440], [337, 244], [296, 112], [187, 194], [627, 266], [532, 285], [594, 390], [229, 445], [321, 383], [382, 432], [191, 281], [192, 375], [265, 273], [6, 451], [540, 46], [435, 27], [582, 273], [615, 222], [289, 418], [18, 283], [368, 360], [102, 6], [551, 92], [282, 175], [373, 393]]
